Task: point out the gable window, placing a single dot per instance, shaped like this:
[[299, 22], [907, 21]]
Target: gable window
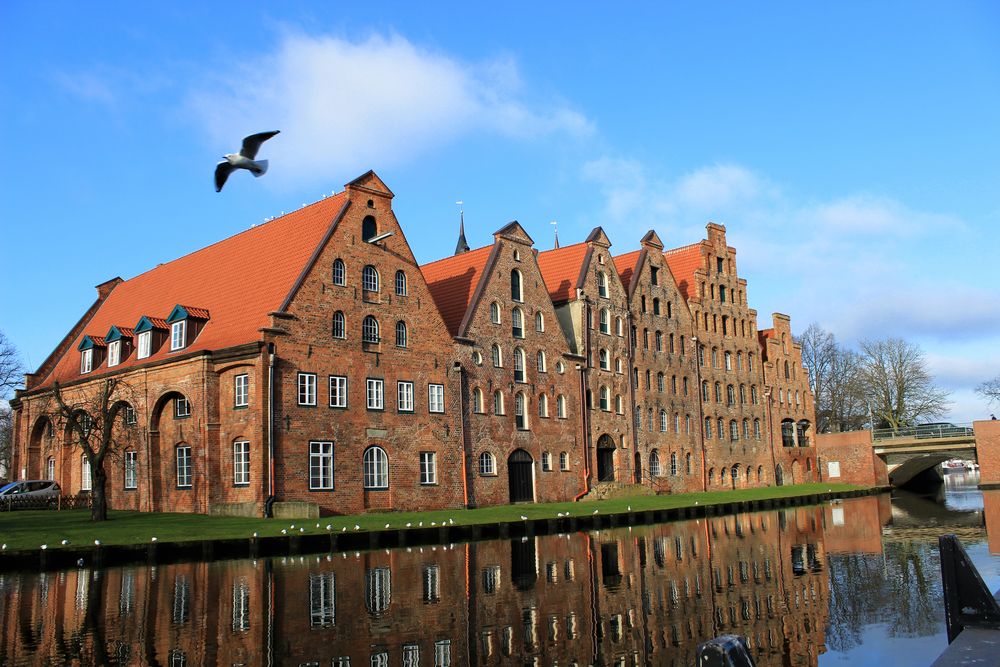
[[145, 344], [404, 396], [498, 402], [374, 393], [540, 361], [435, 398], [376, 468], [86, 361], [338, 391], [320, 466], [401, 334], [241, 390], [369, 229], [487, 464], [495, 313], [339, 325], [182, 407], [605, 323], [602, 284], [369, 279], [241, 463], [654, 274], [130, 469], [539, 322], [497, 356], [369, 330], [339, 273], [115, 353], [516, 293], [400, 283], [428, 468], [517, 323], [307, 389], [178, 335], [519, 365], [183, 467], [656, 306], [520, 412]]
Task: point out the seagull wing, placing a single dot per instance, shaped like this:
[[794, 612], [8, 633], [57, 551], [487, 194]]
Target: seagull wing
[[222, 171], [252, 143]]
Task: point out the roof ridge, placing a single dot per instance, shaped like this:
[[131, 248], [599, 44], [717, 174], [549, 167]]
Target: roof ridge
[[683, 247], [456, 257]]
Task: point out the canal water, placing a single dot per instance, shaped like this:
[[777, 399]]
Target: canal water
[[854, 582]]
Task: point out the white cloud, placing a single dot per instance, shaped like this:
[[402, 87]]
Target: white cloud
[[346, 106], [88, 86], [718, 186]]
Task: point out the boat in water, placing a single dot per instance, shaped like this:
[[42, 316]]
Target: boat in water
[[954, 465]]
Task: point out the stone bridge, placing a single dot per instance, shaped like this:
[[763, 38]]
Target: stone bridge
[[909, 452]]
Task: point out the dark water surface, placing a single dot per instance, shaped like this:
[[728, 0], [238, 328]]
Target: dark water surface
[[855, 582]]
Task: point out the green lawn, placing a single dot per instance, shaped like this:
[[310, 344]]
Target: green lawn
[[30, 529]]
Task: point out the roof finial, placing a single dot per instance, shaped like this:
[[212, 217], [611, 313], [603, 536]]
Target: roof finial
[[555, 227], [462, 245]]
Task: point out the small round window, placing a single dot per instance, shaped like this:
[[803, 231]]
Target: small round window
[[559, 367]]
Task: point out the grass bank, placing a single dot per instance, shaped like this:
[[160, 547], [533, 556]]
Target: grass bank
[[27, 531]]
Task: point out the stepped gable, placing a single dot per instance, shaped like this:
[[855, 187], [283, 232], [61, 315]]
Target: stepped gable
[[683, 263], [238, 281], [562, 270], [453, 282]]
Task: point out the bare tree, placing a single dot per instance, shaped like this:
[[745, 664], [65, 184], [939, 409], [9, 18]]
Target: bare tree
[[990, 390], [6, 439], [11, 367], [843, 402], [101, 416], [898, 384]]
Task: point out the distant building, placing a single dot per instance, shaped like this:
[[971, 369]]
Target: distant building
[[311, 359]]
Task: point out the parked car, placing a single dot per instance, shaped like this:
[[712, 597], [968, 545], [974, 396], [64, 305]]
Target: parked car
[[29, 493]]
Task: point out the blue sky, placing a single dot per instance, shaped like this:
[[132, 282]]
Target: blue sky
[[849, 148]]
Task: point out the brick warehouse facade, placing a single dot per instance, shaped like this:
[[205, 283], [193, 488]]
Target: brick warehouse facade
[[311, 360]]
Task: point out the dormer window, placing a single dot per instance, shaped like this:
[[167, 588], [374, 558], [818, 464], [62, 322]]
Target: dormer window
[[119, 345], [91, 353], [145, 344], [86, 361], [150, 334], [114, 353], [185, 323], [178, 335]]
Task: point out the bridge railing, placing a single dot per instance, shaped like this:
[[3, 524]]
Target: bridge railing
[[924, 431]]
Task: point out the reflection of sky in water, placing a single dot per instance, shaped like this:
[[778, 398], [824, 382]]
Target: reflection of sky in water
[[962, 491]]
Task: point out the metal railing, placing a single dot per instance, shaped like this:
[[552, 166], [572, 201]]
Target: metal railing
[[924, 431]]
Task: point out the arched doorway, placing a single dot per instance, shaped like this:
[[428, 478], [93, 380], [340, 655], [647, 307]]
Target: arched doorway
[[796, 472], [605, 459], [638, 468], [520, 476], [44, 429], [779, 477]]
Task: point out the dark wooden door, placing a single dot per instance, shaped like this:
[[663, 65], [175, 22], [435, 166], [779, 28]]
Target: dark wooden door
[[519, 474]]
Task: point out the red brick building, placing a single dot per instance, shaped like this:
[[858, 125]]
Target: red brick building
[[311, 361]]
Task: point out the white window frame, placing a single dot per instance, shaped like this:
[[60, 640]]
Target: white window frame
[[563, 461], [546, 461], [182, 458], [428, 468], [321, 465], [145, 345], [241, 390], [540, 362], [114, 353], [86, 477], [241, 463], [370, 279], [370, 330], [178, 335], [375, 393], [435, 398], [50, 467], [400, 283], [131, 469], [338, 391], [87, 361], [307, 389], [487, 464], [561, 406], [375, 463], [338, 325], [495, 313], [182, 407], [339, 273], [404, 396]]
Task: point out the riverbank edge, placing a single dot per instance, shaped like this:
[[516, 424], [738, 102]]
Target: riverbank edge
[[161, 553]]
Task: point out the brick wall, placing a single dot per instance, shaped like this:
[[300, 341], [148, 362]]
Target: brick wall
[[988, 451], [853, 453]]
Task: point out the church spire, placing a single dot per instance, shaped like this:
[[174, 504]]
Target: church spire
[[462, 245], [555, 226]]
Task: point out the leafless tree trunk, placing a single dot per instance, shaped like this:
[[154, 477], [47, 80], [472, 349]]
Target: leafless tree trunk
[[11, 367], [6, 440], [990, 390], [897, 383], [91, 414]]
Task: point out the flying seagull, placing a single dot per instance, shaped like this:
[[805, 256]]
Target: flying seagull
[[244, 159]]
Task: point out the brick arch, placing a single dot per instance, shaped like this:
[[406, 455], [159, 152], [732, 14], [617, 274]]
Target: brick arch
[[159, 476], [39, 434]]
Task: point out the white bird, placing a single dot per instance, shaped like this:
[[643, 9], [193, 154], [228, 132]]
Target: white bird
[[596, 511], [629, 508], [97, 542], [408, 524], [243, 160], [284, 532], [302, 530], [524, 518], [317, 525], [329, 527], [433, 523], [292, 526], [344, 529], [45, 546], [386, 525], [153, 539], [255, 535], [451, 521], [3, 547], [65, 542], [357, 527], [421, 524]]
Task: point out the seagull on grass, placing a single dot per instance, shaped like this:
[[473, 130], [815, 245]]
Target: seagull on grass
[[243, 160]]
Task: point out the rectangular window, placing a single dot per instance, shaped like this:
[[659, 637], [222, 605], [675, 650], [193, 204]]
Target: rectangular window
[[404, 393], [320, 466], [435, 397], [178, 335], [241, 391], [428, 468], [86, 361], [375, 394], [130, 470], [307, 389], [338, 391], [322, 600], [145, 344], [86, 480], [241, 463], [130, 415], [184, 467], [182, 407], [114, 353]]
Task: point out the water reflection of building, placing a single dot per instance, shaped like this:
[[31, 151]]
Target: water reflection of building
[[646, 595]]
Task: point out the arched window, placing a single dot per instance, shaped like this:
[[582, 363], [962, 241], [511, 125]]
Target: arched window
[[516, 292], [539, 322], [498, 402], [520, 412], [673, 464], [754, 398], [561, 406], [339, 273], [368, 228], [654, 464], [487, 464], [517, 323], [734, 430], [400, 283], [495, 313], [619, 326], [687, 464], [497, 356], [746, 429], [477, 400], [339, 326], [730, 395], [704, 390], [715, 357], [743, 394], [708, 427], [543, 405], [602, 284], [787, 374], [788, 433], [756, 429], [659, 382], [619, 404], [711, 475], [369, 279], [376, 468], [718, 392], [563, 461], [720, 433], [540, 361], [735, 472], [677, 422], [728, 359], [760, 474], [602, 357], [369, 330], [519, 365], [401, 334], [663, 421], [605, 321], [378, 590], [605, 399], [739, 360], [659, 341], [50, 468]]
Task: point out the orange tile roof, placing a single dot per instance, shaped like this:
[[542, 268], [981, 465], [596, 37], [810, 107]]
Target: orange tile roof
[[626, 265], [561, 270], [238, 280], [197, 313], [452, 282], [683, 262]]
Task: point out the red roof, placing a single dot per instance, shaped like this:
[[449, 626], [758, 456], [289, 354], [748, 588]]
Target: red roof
[[626, 266], [238, 280], [683, 262], [197, 313], [561, 270], [452, 282]]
